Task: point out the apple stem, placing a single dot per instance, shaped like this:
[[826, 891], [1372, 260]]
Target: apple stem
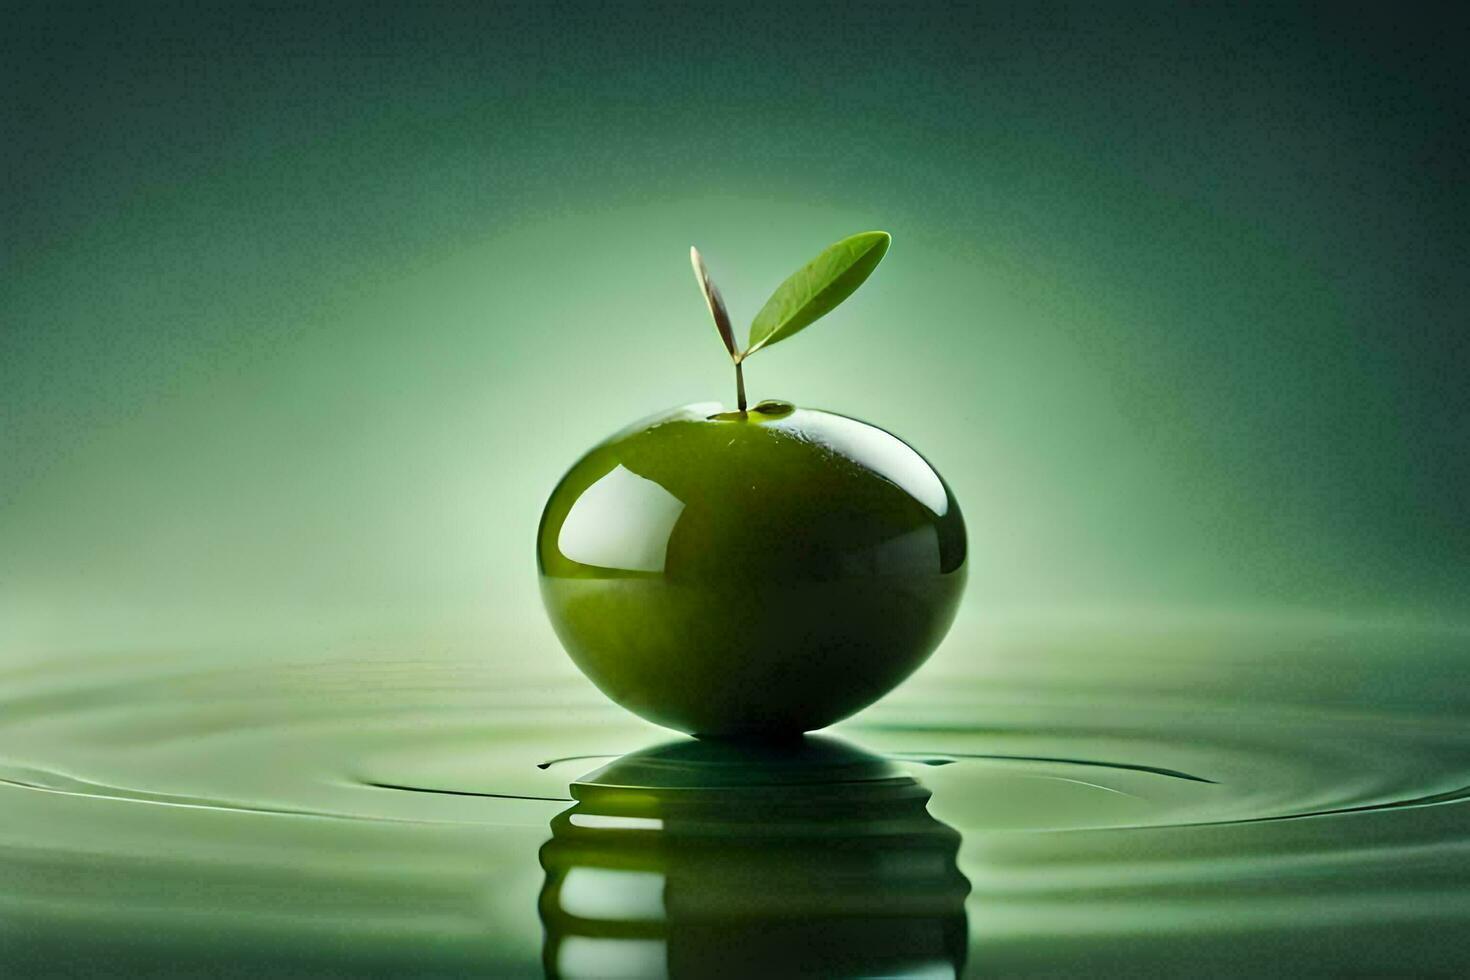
[[739, 387]]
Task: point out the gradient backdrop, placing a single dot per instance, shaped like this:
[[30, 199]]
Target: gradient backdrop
[[304, 310]]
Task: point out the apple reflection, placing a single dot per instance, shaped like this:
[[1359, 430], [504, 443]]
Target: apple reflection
[[714, 859]]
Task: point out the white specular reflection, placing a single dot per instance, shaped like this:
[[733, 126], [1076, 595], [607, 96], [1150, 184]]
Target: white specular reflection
[[613, 895], [884, 454], [613, 959], [622, 521], [597, 821]]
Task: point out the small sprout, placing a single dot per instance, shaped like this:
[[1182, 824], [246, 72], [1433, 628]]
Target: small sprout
[[809, 294]]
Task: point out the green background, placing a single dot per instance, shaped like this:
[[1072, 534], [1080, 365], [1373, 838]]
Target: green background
[[304, 311]]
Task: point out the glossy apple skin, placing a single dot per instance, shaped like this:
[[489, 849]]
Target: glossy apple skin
[[757, 575]]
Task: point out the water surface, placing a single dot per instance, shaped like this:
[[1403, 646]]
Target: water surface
[[1273, 794]]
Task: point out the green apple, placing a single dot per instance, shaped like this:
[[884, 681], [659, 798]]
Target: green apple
[[759, 573]]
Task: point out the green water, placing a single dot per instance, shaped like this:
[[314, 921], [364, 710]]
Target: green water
[[1185, 794]]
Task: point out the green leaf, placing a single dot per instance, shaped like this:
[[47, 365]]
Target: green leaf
[[817, 288], [715, 302]]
